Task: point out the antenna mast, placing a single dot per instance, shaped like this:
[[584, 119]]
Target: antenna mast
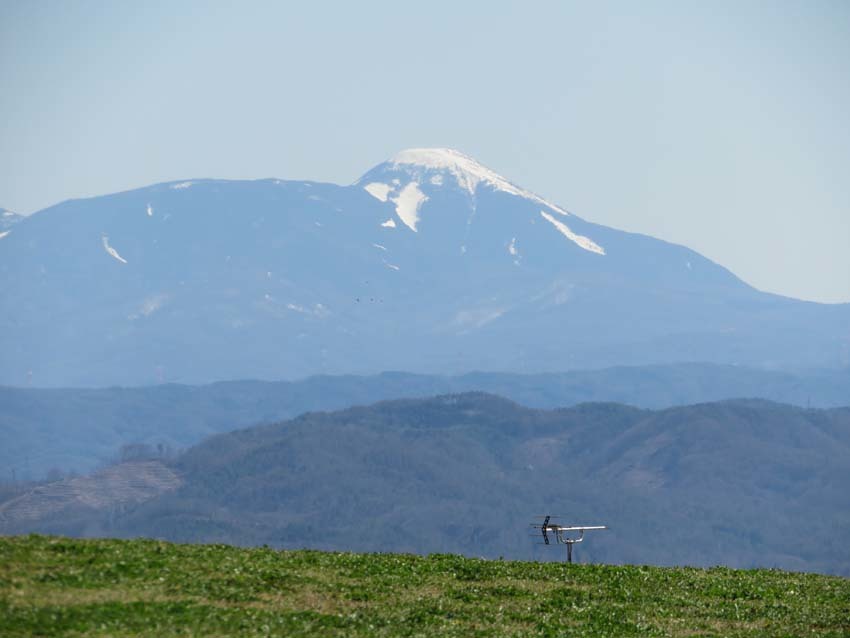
[[563, 534]]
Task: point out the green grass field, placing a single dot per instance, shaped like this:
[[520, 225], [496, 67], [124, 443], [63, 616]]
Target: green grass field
[[64, 587]]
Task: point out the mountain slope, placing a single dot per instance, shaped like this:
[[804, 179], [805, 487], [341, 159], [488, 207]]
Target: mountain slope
[[429, 263], [729, 483]]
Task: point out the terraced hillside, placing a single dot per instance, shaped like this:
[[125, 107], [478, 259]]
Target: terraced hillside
[[112, 489], [59, 587]]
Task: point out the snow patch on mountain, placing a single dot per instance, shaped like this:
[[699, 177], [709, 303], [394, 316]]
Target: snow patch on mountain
[[468, 173], [152, 304], [408, 202], [111, 251], [150, 210], [149, 306], [4, 233], [580, 240], [378, 190], [512, 250], [8, 219], [476, 318], [318, 310], [181, 185]]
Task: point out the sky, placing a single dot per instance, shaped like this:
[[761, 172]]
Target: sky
[[723, 126]]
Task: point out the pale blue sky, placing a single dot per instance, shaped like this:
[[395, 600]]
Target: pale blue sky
[[721, 126]]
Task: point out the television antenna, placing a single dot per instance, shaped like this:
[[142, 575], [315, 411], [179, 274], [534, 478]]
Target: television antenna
[[564, 534]]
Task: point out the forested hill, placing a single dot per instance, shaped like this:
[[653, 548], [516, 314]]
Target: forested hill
[[740, 483], [79, 429]]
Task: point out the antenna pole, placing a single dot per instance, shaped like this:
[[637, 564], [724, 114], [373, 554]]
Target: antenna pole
[[561, 534]]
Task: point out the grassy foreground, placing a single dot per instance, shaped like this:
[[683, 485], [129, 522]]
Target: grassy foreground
[[65, 587]]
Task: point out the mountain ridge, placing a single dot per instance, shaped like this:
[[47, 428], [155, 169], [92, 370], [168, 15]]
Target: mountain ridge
[[716, 483], [35, 423], [192, 280]]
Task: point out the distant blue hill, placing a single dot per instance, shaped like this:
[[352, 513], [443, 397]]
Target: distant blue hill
[[79, 429], [429, 263]]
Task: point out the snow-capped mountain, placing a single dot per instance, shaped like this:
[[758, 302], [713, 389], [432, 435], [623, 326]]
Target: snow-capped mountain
[[430, 262]]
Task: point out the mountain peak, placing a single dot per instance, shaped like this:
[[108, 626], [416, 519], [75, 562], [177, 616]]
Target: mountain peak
[[448, 159], [431, 164]]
